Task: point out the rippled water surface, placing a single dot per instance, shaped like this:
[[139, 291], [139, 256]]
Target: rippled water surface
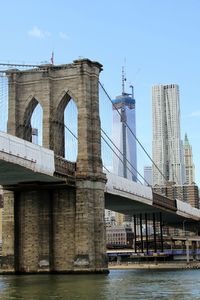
[[126, 284]]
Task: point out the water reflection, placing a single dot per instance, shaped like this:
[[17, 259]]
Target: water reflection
[[126, 284], [52, 287]]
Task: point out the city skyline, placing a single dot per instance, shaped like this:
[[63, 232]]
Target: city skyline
[[62, 210]]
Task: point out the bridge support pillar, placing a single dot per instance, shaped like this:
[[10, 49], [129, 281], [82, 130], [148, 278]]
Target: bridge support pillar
[[27, 244], [38, 231], [194, 250], [89, 228], [187, 251], [8, 226], [62, 230]]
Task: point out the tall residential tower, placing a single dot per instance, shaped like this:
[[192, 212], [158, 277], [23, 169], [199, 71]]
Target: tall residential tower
[[188, 160], [123, 117], [167, 145]]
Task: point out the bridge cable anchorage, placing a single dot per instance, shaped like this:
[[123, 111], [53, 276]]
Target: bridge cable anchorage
[[122, 155], [133, 134], [77, 139]]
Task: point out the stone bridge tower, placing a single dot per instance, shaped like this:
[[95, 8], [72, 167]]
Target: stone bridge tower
[[57, 228]]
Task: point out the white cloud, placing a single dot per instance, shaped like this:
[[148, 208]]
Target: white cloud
[[195, 114], [63, 35], [38, 33]]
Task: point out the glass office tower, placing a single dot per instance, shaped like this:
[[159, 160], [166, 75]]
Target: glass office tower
[[124, 118]]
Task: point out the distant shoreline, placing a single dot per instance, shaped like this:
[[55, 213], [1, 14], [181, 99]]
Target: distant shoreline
[[155, 266]]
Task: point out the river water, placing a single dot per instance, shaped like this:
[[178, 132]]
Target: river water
[[118, 284]]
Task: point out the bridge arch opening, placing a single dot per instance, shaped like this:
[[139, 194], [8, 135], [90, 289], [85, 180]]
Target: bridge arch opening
[[36, 124], [65, 128], [31, 130], [71, 131]]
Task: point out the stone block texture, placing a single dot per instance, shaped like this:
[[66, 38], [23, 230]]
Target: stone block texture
[[57, 229]]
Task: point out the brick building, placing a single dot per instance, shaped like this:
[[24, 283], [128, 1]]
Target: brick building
[[185, 193], [119, 236]]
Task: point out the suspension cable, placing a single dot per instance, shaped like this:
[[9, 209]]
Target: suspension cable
[[77, 139], [113, 152], [122, 155], [71, 132], [19, 65], [118, 157]]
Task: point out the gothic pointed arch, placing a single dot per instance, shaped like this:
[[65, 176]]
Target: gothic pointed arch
[[64, 97], [71, 131], [26, 128], [59, 127]]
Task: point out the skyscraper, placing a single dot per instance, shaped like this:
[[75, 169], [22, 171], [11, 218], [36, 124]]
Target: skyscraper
[[35, 136], [167, 146], [122, 135], [148, 175], [109, 216], [188, 161]]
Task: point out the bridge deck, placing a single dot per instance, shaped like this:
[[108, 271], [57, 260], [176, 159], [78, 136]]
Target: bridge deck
[[132, 198], [23, 163]]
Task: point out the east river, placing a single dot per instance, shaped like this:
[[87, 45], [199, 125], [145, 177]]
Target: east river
[[118, 284]]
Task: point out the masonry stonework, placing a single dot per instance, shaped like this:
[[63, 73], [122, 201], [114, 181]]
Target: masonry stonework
[[8, 226], [57, 229]]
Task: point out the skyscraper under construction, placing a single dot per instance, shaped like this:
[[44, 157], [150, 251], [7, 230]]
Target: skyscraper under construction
[[124, 131]]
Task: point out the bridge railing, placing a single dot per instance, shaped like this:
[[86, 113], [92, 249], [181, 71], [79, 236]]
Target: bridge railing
[[184, 207], [27, 154], [164, 202], [65, 168]]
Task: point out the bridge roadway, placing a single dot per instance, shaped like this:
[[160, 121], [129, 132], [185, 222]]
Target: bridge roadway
[[27, 164]]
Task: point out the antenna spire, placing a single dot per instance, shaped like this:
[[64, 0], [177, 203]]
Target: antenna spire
[[123, 81], [52, 58]]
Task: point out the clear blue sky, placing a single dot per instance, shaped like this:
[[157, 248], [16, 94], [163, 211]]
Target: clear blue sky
[[160, 41]]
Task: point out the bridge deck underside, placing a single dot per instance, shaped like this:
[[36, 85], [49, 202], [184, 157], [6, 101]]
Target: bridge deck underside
[[13, 174], [133, 207]]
